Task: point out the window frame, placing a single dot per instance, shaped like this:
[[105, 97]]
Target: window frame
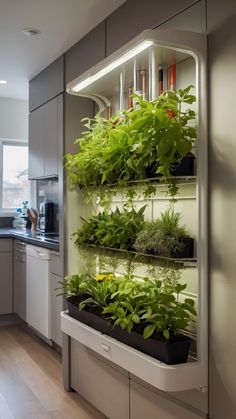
[[4, 212]]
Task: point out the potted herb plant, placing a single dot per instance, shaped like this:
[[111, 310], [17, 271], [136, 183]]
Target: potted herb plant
[[145, 314], [165, 237], [157, 139], [115, 229]]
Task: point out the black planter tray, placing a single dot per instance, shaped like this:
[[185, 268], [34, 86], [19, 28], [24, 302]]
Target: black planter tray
[[175, 352]]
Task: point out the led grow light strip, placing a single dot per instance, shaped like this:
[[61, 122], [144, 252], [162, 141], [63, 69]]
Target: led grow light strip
[[129, 54]]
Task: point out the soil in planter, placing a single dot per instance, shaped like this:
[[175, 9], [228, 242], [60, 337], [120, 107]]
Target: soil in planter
[[174, 351]]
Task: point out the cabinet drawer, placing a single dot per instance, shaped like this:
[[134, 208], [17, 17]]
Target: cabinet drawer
[[56, 265], [5, 245], [19, 247]]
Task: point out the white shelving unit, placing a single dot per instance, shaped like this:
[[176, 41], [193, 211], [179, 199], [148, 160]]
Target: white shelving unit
[[165, 377], [103, 83]]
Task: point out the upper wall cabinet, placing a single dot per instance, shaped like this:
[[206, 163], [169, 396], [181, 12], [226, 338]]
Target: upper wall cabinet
[[46, 85], [86, 53], [132, 18], [45, 129]]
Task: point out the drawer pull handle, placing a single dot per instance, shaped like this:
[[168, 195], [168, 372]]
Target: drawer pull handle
[[105, 348]]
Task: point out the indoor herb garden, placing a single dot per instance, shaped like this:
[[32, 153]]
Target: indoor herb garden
[[155, 139], [147, 315]]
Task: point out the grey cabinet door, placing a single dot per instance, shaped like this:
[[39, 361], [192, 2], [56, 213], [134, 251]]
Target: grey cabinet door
[[85, 53], [145, 403], [36, 144], [50, 138], [47, 84], [6, 283], [56, 308], [44, 131], [20, 286], [134, 16], [105, 387]]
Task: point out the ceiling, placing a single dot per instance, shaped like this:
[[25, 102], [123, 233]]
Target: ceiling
[[61, 22]]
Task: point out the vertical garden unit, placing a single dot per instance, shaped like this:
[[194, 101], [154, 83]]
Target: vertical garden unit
[[139, 276]]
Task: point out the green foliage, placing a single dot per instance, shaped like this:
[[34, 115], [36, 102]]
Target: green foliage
[[85, 167], [152, 305], [163, 236], [157, 134], [73, 285], [99, 293], [116, 229]]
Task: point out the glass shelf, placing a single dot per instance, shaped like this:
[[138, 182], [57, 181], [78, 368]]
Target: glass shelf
[[142, 257]]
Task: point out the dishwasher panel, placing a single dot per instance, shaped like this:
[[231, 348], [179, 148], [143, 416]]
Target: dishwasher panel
[[38, 289]]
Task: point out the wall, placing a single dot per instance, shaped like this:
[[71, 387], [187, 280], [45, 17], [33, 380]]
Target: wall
[[13, 119], [222, 175]]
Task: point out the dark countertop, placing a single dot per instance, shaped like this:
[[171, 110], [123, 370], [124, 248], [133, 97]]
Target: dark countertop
[[30, 237]]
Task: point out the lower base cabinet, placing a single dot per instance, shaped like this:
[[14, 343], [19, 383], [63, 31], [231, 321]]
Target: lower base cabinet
[[145, 403], [105, 387], [56, 308], [57, 303], [19, 279], [6, 277], [117, 394]]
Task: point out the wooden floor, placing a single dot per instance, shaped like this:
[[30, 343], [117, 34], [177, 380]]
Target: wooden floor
[[31, 381]]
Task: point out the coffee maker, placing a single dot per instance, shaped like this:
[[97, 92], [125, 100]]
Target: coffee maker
[[46, 217]]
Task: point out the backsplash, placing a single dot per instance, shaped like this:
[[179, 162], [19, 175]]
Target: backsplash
[[6, 221], [49, 189]]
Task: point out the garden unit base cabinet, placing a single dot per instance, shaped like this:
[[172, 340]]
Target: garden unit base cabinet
[[106, 387], [117, 394]]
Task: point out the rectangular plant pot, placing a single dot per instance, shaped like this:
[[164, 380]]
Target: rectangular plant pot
[[168, 352], [187, 252], [88, 318], [186, 167]]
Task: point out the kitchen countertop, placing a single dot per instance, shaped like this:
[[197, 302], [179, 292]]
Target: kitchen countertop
[[30, 237]]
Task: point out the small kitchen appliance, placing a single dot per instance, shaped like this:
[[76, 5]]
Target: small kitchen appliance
[[46, 217]]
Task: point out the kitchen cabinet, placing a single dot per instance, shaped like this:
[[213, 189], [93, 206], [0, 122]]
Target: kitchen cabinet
[[133, 17], [45, 132], [38, 314], [145, 403], [85, 53], [47, 84], [109, 393], [19, 279], [56, 276], [6, 280]]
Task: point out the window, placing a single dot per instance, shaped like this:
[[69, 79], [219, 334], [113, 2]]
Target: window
[[14, 185]]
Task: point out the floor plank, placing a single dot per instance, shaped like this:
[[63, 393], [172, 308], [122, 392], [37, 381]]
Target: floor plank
[[31, 384]]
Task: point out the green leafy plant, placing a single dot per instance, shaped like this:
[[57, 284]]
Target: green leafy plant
[[116, 229], [162, 237], [166, 314], [158, 134], [85, 167], [74, 285], [99, 294], [150, 306], [154, 304]]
